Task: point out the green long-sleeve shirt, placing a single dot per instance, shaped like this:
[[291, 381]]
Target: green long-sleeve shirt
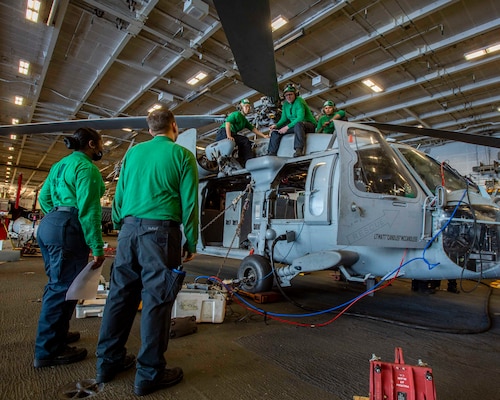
[[297, 111], [159, 180], [75, 181], [330, 128], [238, 122]]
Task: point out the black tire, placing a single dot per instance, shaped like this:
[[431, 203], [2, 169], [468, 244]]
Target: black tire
[[256, 274]]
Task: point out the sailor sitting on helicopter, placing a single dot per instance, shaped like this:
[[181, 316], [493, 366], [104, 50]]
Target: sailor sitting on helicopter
[[235, 123], [296, 118]]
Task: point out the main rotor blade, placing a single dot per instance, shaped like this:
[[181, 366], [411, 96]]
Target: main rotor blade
[[247, 25], [183, 121], [490, 141]]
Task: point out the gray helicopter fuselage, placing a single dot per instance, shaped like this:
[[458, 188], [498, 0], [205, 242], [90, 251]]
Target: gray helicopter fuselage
[[356, 203]]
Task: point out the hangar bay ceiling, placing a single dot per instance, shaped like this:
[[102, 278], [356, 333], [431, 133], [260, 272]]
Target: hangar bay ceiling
[[111, 58]]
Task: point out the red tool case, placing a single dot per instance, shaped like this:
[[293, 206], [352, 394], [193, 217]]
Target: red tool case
[[399, 381]]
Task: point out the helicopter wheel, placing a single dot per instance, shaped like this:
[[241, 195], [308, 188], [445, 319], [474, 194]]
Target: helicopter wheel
[[255, 274]]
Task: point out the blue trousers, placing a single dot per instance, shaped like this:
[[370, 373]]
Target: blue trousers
[[65, 254], [299, 130], [244, 144], [144, 265]]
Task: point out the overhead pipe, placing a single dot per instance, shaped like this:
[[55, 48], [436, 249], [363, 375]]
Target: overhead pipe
[[50, 19]]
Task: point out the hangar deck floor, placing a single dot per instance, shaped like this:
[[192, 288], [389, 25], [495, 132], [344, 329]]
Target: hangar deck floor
[[248, 357]]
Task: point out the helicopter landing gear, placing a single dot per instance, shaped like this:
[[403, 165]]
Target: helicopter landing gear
[[255, 274]]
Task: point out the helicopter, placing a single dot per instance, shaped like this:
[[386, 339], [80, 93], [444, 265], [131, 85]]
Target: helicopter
[[355, 202]]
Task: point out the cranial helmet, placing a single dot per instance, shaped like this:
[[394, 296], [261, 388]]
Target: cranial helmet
[[290, 88], [329, 103]]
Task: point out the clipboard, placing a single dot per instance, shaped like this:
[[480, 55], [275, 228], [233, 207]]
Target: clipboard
[[84, 286]]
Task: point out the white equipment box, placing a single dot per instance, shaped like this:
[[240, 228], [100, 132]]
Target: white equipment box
[[90, 308], [94, 307], [205, 303]]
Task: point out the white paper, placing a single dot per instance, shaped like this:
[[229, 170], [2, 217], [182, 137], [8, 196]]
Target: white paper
[[84, 287]]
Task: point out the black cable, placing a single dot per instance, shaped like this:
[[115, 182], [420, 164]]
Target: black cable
[[276, 277]]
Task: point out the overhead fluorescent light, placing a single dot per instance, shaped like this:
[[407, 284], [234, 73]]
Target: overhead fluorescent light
[[475, 54], [287, 39], [19, 100], [24, 67], [154, 107], [493, 48], [198, 77], [482, 52], [372, 86], [108, 143], [278, 22], [33, 10], [15, 121]]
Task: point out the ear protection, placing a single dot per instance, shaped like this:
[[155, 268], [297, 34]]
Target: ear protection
[[290, 88]]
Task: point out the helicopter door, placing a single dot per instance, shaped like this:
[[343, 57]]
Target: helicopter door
[[379, 202], [317, 208]]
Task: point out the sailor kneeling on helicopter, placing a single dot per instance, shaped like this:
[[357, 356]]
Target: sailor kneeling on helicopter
[[330, 113], [235, 123]]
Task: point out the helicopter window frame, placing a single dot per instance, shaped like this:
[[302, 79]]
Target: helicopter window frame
[[377, 170], [319, 182], [289, 189], [433, 173]]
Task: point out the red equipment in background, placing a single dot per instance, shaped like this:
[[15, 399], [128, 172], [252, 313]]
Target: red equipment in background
[[399, 381]]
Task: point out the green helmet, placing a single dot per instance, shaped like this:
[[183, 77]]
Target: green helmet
[[245, 101], [289, 88], [329, 103]]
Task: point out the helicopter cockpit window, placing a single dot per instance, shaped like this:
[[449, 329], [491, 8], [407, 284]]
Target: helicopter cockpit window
[[290, 186], [378, 170], [435, 174]]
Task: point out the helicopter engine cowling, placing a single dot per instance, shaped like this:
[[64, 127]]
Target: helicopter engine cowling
[[220, 149], [222, 153]]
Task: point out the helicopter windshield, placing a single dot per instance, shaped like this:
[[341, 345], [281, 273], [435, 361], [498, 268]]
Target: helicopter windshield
[[435, 174], [377, 169]]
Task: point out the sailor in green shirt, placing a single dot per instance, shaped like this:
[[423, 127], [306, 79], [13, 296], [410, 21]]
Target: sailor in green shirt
[[296, 118], [235, 123], [70, 200], [156, 193], [325, 122]]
